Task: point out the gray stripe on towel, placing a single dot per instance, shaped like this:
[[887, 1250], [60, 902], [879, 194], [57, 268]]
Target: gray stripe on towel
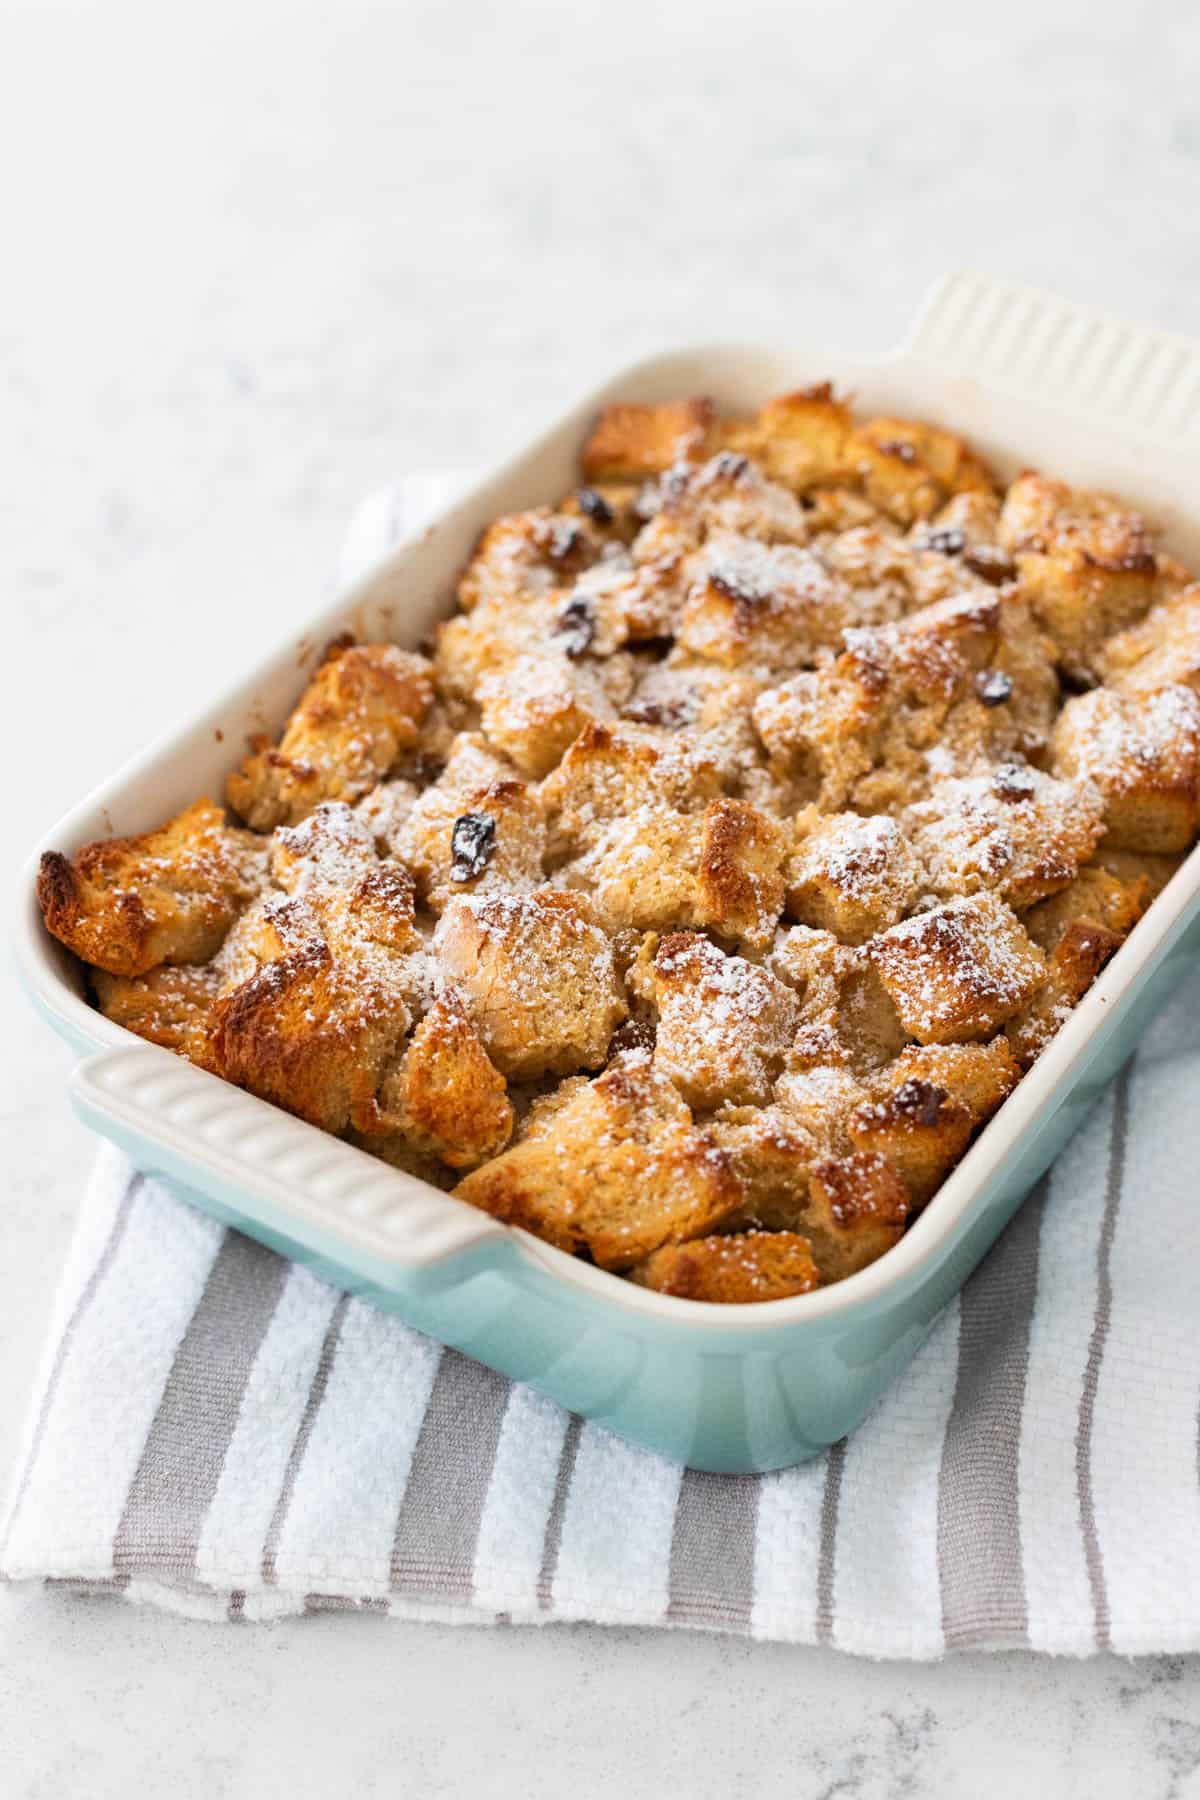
[[1113, 1188], [182, 1457], [980, 1568], [437, 1529], [827, 1554], [711, 1579], [558, 1508]]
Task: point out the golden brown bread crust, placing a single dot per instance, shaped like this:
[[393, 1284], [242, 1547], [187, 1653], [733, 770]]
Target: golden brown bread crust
[[363, 706], [447, 1098], [747, 837], [733, 1269], [169, 896], [619, 1170]]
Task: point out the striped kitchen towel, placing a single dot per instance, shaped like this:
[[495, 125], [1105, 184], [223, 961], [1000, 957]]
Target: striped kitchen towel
[[219, 1433]]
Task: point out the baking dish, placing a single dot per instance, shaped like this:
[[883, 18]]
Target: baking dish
[[731, 1388]]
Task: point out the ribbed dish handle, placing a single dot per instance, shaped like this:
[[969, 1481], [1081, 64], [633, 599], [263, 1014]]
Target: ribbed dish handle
[[264, 1163], [1062, 355]]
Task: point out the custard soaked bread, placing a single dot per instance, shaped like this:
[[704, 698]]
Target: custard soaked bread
[[748, 831]]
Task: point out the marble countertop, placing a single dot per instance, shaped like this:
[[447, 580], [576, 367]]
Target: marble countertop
[[261, 262]]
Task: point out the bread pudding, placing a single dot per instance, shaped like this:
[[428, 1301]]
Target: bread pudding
[[721, 865]]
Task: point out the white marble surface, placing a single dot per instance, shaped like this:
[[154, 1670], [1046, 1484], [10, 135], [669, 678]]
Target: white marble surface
[[260, 255]]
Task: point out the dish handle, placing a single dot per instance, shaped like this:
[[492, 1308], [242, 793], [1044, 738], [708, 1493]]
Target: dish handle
[[1051, 352], [262, 1164]]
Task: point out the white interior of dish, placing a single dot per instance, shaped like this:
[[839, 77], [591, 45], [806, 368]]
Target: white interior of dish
[[1057, 413]]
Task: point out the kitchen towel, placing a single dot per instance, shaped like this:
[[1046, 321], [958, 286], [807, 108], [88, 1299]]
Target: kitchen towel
[[219, 1433]]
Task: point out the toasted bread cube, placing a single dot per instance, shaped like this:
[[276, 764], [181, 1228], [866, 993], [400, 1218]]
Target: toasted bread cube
[[613, 769], [314, 1032], [850, 875], [773, 605], [475, 830], [1087, 563], [958, 972], [446, 1096], [858, 1208], [1161, 649], [618, 1170], [739, 886], [1010, 828], [1074, 963], [820, 1101], [538, 979], [724, 1024], [1142, 751], [386, 809], [169, 1006], [128, 904], [928, 1102], [847, 1014], [528, 554], [799, 439], [642, 872], [332, 848], [910, 469], [364, 705], [628, 443], [1097, 896], [534, 706], [771, 1154], [732, 1270]]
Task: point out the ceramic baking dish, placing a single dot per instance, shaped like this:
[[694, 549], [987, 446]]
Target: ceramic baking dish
[[1028, 380]]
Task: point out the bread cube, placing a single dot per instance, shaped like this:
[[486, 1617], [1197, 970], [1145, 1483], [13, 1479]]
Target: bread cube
[[770, 1153], [170, 1006], [331, 848], [739, 885], [1010, 828], [446, 1096], [958, 972], [846, 1013], [772, 605], [926, 1106], [910, 469], [1097, 896], [1072, 966], [537, 703], [618, 1170], [641, 873], [1161, 649], [524, 555], [475, 830], [364, 705], [858, 1207], [1142, 751], [537, 977], [611, 770], [1087, 563], [798, 439], [629, 442], [724, 1024], [850, 875], [128, 904], [732, 1269]]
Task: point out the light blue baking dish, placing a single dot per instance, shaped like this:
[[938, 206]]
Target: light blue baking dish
[[733, 1388]]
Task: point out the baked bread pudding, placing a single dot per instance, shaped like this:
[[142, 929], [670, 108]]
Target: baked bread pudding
[[720, 866]]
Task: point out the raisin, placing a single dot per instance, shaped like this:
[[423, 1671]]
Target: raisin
[[575, 627], [471, 845], [947, 539], [990, 563], [919, 1101], [993, 686], [595, 506]]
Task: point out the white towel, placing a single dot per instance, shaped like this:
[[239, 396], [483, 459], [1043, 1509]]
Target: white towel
[[219, 1433]]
